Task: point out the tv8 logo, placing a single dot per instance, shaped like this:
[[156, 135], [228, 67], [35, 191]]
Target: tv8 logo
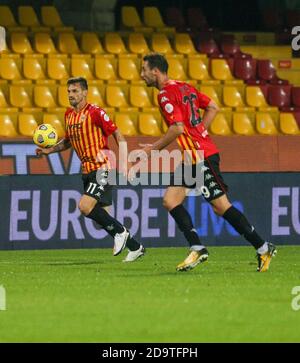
[[296, 40]]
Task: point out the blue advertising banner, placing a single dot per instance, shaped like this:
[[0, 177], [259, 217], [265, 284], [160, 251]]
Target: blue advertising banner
[[40, 212]]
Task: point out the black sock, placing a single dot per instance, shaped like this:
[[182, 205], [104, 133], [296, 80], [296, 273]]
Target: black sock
[[132, 244], [185, 224], [110, 224], [240, 223]]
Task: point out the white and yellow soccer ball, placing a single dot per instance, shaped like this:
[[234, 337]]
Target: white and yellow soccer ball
[[45, 136]]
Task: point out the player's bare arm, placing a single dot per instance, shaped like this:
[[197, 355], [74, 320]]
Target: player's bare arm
[[210, 113], [62, 145]]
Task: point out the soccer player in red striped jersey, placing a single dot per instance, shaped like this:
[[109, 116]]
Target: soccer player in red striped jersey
[[180, 105], [87, 130]]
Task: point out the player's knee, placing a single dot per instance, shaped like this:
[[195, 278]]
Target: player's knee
[[167, 204], [217, 210], [85, 208]]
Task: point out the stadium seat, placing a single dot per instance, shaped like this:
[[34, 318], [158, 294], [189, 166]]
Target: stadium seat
[[220, 70], [242, 124], [230, 48], [152, 17], [184, 44], [81, 67], [288, 124], [3, 98], [58, 67], [20, 95], [10, 68], [56, 121], [105, 67], [62, 96], [232, 97], [34, 68], [7, 126], [265, 124], [67, 43], [20, 43], [114, 43], [196, 19], [125, 124], [128, 67], [116, 96], [267, 72], [130, 17], [7, 19], [26, 124], [207, 46], [27, 16], [296, 96], [175, 18], [43, 43], [219, 126], [255, 96], [137, 43], [44, 96], [245, 69], [211, 93], [95, 96], [90, 43], [279, 96], [155, 92], [160, 44], [148, 125], [51, 18], [176, 68], [139, 96]]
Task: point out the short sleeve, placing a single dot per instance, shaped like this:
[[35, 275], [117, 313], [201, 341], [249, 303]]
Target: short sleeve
[[170, 110], [203, 100], [101, 119]]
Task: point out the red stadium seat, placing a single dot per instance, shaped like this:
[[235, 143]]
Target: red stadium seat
[[245, 69], [175, 18], [279, 95], [296, 96], [196, 19], [207, 46], [267, 72]]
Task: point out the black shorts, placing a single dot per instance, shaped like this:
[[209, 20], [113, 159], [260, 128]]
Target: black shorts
[[97, 186], [211, 185]]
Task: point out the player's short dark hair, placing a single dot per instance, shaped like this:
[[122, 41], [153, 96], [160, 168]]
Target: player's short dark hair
[[156, 60], [82, 81]]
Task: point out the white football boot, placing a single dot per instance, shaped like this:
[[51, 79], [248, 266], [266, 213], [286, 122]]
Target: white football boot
[[134, 255], [120, 242]]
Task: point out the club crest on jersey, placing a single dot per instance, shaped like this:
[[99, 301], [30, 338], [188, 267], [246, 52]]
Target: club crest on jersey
[[169, 108], [106, 117]]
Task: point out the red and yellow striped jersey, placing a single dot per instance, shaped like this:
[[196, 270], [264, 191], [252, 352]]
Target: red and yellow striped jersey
[[180, 102], [88, 131]]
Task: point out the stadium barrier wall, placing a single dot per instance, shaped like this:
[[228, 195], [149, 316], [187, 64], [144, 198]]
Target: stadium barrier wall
[[40, 212]]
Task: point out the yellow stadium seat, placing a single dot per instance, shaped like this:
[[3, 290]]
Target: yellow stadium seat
[[58, 68], [139, 97], [36, 112], [265, 124], [220, 70], [3, 95], [197, 69], [232, 97], [27, 16], [128, 67], [34, 68], [27, 124], [126, 123], [7, 18], [56, 121], [130, 17], [43, 43], [154, 96], [67, 43], [149, 125], [95, 96], [114, 43], [116, 96], [20, 95], [184, 44], [44, 96], [288, 124], [7, 127], [211, 93], [51, 18], [152, 17], [219, 125], [165, 127], [176, 68], [80, 67], [255, 97], [137, 43], [105, 67], [62, 96], [20, 43], [90, 43], [160, 44], [242, 124]]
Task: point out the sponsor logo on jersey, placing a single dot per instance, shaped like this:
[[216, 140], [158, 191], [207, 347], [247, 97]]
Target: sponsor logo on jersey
[[217, 192], [169, 108], [212, 184], [164, 99], [208, 177]]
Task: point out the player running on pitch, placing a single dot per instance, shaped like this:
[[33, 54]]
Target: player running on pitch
[[180, 103], [87, 130]]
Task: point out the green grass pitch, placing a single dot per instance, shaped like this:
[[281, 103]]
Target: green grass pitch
[[91, 296]]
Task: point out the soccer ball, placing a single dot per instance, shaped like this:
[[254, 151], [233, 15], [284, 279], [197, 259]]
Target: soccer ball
[[45, 136]]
